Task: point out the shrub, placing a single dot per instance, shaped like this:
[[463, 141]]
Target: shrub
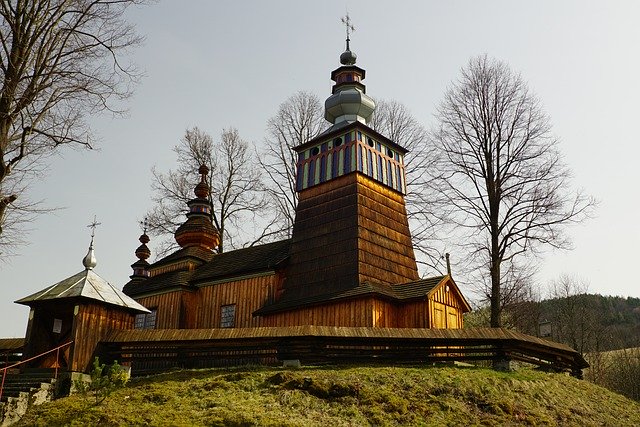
[[104, 380]]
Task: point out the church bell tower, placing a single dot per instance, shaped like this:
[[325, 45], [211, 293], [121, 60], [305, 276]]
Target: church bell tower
[[351, 223]]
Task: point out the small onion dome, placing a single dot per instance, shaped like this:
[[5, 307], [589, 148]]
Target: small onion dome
[[143, 251], [141, 267], [202, 189], [348, 58], [197, 231], [89, 261]]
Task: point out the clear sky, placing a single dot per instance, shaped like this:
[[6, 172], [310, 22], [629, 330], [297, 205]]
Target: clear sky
[[231, 63]]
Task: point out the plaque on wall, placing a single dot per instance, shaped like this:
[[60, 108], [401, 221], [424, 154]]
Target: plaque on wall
[[57, 326]]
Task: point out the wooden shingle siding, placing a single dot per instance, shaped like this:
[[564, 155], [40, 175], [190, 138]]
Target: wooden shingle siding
[[347, 231], [386, 252]]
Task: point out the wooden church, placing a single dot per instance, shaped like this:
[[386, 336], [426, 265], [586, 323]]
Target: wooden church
[[349, 262], [344, 287]]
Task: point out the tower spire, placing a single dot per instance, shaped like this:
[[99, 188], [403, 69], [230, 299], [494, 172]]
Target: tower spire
[[141, 267], [348, 102], [198, 229]]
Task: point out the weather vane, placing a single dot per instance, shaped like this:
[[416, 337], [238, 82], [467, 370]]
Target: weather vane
[[346, 20]]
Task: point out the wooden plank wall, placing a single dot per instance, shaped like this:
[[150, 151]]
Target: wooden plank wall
[[40, 336], [445, 309], [414, 314], [358, 312], [91, 324], [247, 294], [170, 308]]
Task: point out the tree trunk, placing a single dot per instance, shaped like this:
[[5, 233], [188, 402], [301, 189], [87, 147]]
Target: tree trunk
[[495, 292]]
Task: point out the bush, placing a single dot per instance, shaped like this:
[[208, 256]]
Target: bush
[[104, 380]]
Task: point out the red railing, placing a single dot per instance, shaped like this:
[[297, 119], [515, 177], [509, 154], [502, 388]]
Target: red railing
[[57, 365]]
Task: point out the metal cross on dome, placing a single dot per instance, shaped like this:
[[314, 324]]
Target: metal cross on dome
[[144, 224], [93, 226], [346, 20]]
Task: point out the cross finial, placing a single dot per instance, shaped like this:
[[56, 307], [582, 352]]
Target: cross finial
[[93, 226], [346, 20], [144, 224]]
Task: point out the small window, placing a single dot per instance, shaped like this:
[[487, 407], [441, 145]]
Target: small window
[[315, 151], [370, 142], [228, 316], [337, 142], [390, 152], [146, 320]]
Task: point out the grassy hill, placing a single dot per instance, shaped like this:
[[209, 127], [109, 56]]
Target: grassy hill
[[335, 396]]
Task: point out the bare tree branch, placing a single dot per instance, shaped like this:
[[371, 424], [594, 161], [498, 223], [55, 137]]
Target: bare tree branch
[[60, 60], [299, 119], [236, 190]]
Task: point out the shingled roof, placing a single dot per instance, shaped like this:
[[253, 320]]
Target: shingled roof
[[87, 285], [240, 262], [399, 292], [170, 280], [243, 261], [190, 252]]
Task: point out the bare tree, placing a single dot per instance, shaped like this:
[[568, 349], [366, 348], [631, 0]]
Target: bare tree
[[299, 119], [393, 120], [500, 172], [60, 60], [236, 188]]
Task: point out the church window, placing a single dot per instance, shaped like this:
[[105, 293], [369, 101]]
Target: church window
[[315, 151], [370, 142], [228, 316], [390, 152], [146, 320], [337, 142]]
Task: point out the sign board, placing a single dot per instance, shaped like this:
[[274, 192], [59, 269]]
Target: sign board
[[57, 326]]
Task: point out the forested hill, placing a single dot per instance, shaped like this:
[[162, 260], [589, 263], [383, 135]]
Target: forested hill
[[586, 322], [594, 322]]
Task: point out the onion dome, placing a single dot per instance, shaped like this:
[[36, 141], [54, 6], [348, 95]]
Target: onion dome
[[141, 267], [349, 101], [89, 261], [348, 57], [198, 229]]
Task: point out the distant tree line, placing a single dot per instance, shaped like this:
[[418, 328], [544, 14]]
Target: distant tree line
[[604, 329]]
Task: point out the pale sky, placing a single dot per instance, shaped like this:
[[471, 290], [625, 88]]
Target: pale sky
[[231, 63]]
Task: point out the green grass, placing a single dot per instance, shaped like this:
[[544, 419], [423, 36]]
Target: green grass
[[347, 396]]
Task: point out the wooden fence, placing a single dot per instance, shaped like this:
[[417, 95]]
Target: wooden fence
[[158, 350], [10, 351]]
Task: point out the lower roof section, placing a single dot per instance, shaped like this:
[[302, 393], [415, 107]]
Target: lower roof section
[[372, 336]]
